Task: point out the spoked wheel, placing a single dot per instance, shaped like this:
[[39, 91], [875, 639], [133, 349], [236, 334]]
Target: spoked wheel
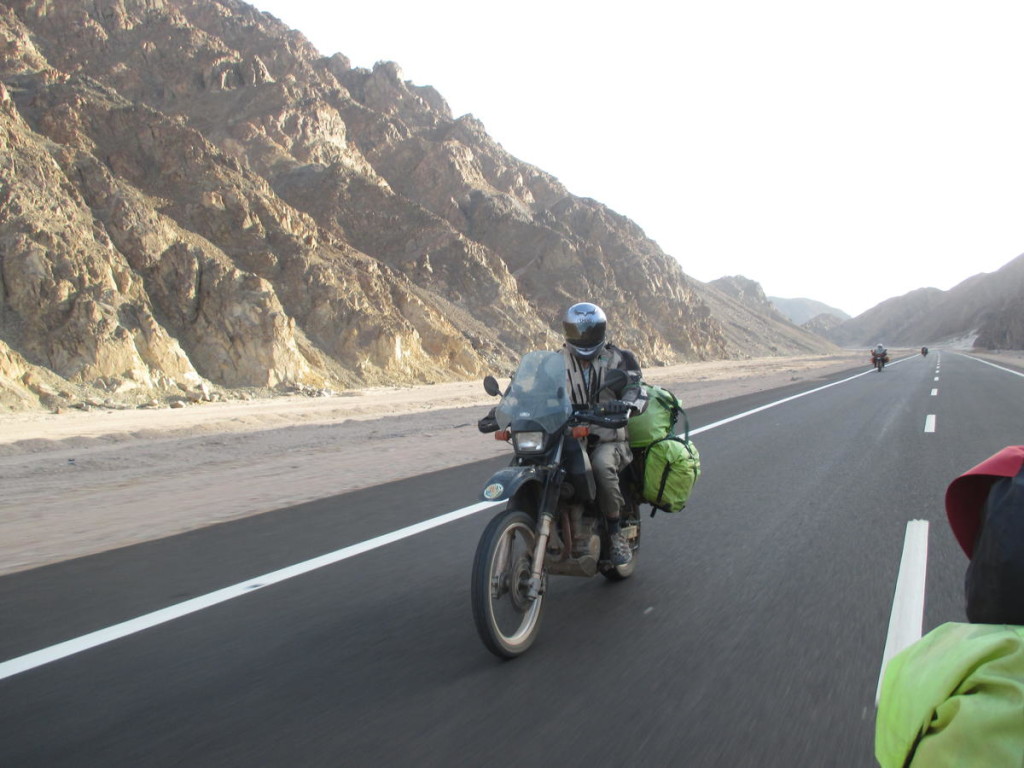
[[620, 572], [505, 617]]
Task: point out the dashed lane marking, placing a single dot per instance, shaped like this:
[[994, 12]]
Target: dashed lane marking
[[907, 617]]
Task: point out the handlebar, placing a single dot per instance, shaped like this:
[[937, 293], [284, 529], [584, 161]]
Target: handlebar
[[595, 415]]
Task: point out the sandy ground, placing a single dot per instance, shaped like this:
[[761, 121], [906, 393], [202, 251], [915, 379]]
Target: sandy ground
[[78, 482]]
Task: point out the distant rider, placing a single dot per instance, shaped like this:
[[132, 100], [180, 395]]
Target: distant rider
[[587, 356], [879, 352]]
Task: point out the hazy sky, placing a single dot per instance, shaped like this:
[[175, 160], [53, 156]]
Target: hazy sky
[[844, 152]]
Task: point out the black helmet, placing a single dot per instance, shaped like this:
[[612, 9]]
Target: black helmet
[[584, 325]]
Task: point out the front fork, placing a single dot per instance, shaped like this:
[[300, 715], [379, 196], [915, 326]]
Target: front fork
[[549, 501], [536, 575]]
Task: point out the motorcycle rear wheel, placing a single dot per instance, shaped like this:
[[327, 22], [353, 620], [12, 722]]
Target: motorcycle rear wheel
[[506, 619]]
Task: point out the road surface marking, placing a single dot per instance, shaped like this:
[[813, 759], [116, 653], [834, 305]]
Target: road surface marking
[[130, 627], [936, 378], [907, 615], [935, 392], [743, 415], [1001, 368], [929, 423]]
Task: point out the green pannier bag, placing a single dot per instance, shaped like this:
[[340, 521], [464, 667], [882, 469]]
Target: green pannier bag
[[671, 467], [671, 464], [659, 418]]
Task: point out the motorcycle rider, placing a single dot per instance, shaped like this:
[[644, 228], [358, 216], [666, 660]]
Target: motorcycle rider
[[879, 351], [587, 356]]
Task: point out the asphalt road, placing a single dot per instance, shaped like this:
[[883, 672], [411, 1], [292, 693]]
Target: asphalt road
[[751, 635]]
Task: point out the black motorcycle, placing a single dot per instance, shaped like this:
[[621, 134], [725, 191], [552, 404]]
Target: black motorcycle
[[551, 524]]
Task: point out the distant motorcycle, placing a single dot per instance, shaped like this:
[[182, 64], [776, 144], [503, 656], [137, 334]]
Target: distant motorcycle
[[924, 351], [552, 524], [878, 360]]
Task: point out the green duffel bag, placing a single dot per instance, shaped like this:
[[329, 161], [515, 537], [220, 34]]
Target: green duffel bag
[[671, 467], [658, 420]]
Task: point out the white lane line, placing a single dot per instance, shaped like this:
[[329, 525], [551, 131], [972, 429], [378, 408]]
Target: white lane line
[[935, 392], [738, 416], [130, 627], [929, 423], [936, 378], [907, 617], [1001, 368]]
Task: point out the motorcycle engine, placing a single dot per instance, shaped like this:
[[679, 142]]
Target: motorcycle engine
[[586, 549]]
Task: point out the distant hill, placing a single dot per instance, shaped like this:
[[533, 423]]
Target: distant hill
[[822, 324], [799, 311], [751, 323], [986, 310]]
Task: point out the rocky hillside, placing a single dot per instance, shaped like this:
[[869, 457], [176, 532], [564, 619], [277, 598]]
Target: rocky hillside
[[1002, 327], [822, 324], [195, 198], [752, 323], [986, 310]]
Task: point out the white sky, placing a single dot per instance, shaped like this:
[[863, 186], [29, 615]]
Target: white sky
[[844, 152]]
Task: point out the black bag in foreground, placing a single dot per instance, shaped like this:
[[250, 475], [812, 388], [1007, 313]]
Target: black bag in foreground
[[995, 576]]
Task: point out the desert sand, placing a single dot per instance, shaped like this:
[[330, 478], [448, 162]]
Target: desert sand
[[78, 483]]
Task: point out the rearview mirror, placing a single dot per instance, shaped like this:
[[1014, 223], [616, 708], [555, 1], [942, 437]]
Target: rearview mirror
[[491, 386]]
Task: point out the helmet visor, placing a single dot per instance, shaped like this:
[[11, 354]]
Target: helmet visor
[[584, 333]]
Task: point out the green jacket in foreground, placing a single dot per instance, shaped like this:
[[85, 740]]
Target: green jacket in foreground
[[954, 698]]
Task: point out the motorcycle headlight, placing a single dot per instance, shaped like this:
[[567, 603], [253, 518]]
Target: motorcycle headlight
[[528, 442]]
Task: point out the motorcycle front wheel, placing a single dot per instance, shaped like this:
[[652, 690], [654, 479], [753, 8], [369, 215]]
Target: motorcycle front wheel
[[506, 619]]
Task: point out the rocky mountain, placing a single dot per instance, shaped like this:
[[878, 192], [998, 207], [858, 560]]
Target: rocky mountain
[[194, 197], [986, 310], [822, 324], [1002, 327], [747, 291], [800, 311], [751, 323]]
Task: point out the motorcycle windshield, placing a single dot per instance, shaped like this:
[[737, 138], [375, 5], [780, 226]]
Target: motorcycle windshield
[[538, 392]]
